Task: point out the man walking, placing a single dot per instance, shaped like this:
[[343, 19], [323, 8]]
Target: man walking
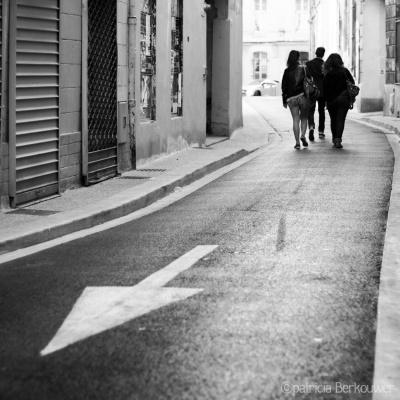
[[315, 68]]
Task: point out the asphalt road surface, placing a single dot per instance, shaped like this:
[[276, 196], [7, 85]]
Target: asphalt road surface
[[289, 290]]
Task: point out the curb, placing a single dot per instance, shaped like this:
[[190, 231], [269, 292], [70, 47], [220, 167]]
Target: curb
[[378, 124], [108, 209], [387, 346]]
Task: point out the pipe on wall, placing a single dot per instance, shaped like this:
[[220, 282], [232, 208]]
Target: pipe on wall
[[132, 25]]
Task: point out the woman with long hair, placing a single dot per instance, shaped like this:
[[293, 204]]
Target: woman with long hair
[[336, 95], [294, 97]]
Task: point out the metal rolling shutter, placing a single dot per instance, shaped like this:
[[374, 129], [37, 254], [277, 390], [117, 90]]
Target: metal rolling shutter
[[102, 90], [34, 102], [1, 71]]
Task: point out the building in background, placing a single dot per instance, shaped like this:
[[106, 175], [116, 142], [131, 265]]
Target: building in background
[[356, 30], [270, 30], [91, 88], [392, 82]]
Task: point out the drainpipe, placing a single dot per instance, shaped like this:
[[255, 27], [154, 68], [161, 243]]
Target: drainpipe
[[391, 101], [132, 22]]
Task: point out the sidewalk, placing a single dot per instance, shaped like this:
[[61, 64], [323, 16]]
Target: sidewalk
[[85, 207], [387, 351], [376, 118]]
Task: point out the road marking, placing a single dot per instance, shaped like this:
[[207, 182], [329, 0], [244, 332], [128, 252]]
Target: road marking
[[102, 308]]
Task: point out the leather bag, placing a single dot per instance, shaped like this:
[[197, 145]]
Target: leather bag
[[352, 90], [310, 88]]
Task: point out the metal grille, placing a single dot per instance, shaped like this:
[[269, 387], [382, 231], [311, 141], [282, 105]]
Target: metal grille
[[102, 89], [34, 100]]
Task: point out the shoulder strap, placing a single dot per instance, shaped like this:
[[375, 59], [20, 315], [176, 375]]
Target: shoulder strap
[[345, 75], [305, 72]]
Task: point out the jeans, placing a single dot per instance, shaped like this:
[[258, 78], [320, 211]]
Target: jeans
[[338, 109], [321, 113]]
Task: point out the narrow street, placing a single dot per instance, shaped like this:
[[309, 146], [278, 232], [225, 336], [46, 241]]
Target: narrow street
[[288, 293]]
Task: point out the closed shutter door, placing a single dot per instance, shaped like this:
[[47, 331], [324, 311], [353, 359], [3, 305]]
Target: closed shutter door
[[34, 99], [102, 90], [1, 72]]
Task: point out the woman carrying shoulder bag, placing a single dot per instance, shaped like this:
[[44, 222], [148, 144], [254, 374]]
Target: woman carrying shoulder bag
[[336, 95], [294, 97]]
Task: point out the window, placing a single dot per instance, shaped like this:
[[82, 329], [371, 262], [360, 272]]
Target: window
[[148, 60], [260, 65], [301, 12], [260, 5], [176, 56], [303, 57]]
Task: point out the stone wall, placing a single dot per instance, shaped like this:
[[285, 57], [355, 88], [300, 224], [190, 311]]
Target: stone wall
[[392, 93], [390, 42], [70, 93]]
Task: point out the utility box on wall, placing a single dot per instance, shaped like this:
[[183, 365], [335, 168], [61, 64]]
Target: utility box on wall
[[122, 133]]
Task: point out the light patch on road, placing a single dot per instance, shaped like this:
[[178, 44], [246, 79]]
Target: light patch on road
[[102, 308]]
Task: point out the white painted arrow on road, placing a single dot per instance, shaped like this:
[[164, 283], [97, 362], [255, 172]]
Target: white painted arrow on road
[[102, 308]]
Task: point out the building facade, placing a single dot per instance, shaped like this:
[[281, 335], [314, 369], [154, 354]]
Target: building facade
[[91, 88], [392, 82], [356, 30], [270, 30]]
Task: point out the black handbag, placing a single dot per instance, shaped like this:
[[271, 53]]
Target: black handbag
[[352, 90], [310, 88]]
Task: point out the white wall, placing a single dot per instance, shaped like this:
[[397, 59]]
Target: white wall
[[325, 19], [374, 50]]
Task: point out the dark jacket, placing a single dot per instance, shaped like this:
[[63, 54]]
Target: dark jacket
[[315, 68], [292, 82], [334, 83]]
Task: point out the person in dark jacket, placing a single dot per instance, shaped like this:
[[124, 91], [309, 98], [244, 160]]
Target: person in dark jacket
[[293, 96], [315, 68], [336, 95]]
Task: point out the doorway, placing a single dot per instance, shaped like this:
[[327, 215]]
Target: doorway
[[102, 109]]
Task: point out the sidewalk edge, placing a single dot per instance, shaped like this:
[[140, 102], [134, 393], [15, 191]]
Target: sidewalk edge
[[378, 124], [382, 125], [387, 345], [28, 235], [387, 350]]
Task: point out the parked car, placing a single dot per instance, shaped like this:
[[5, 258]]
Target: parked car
[[262, 87]]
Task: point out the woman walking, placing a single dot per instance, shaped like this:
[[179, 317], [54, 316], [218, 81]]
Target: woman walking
[[336, 95], [294, 97]]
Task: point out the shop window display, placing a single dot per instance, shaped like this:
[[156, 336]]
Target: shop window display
[[148, 60], [176, 56]]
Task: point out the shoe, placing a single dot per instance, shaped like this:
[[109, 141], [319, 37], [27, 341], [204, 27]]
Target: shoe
[[321, 135], [311, 135], [338, 145], [304, 141], [297, 147]]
